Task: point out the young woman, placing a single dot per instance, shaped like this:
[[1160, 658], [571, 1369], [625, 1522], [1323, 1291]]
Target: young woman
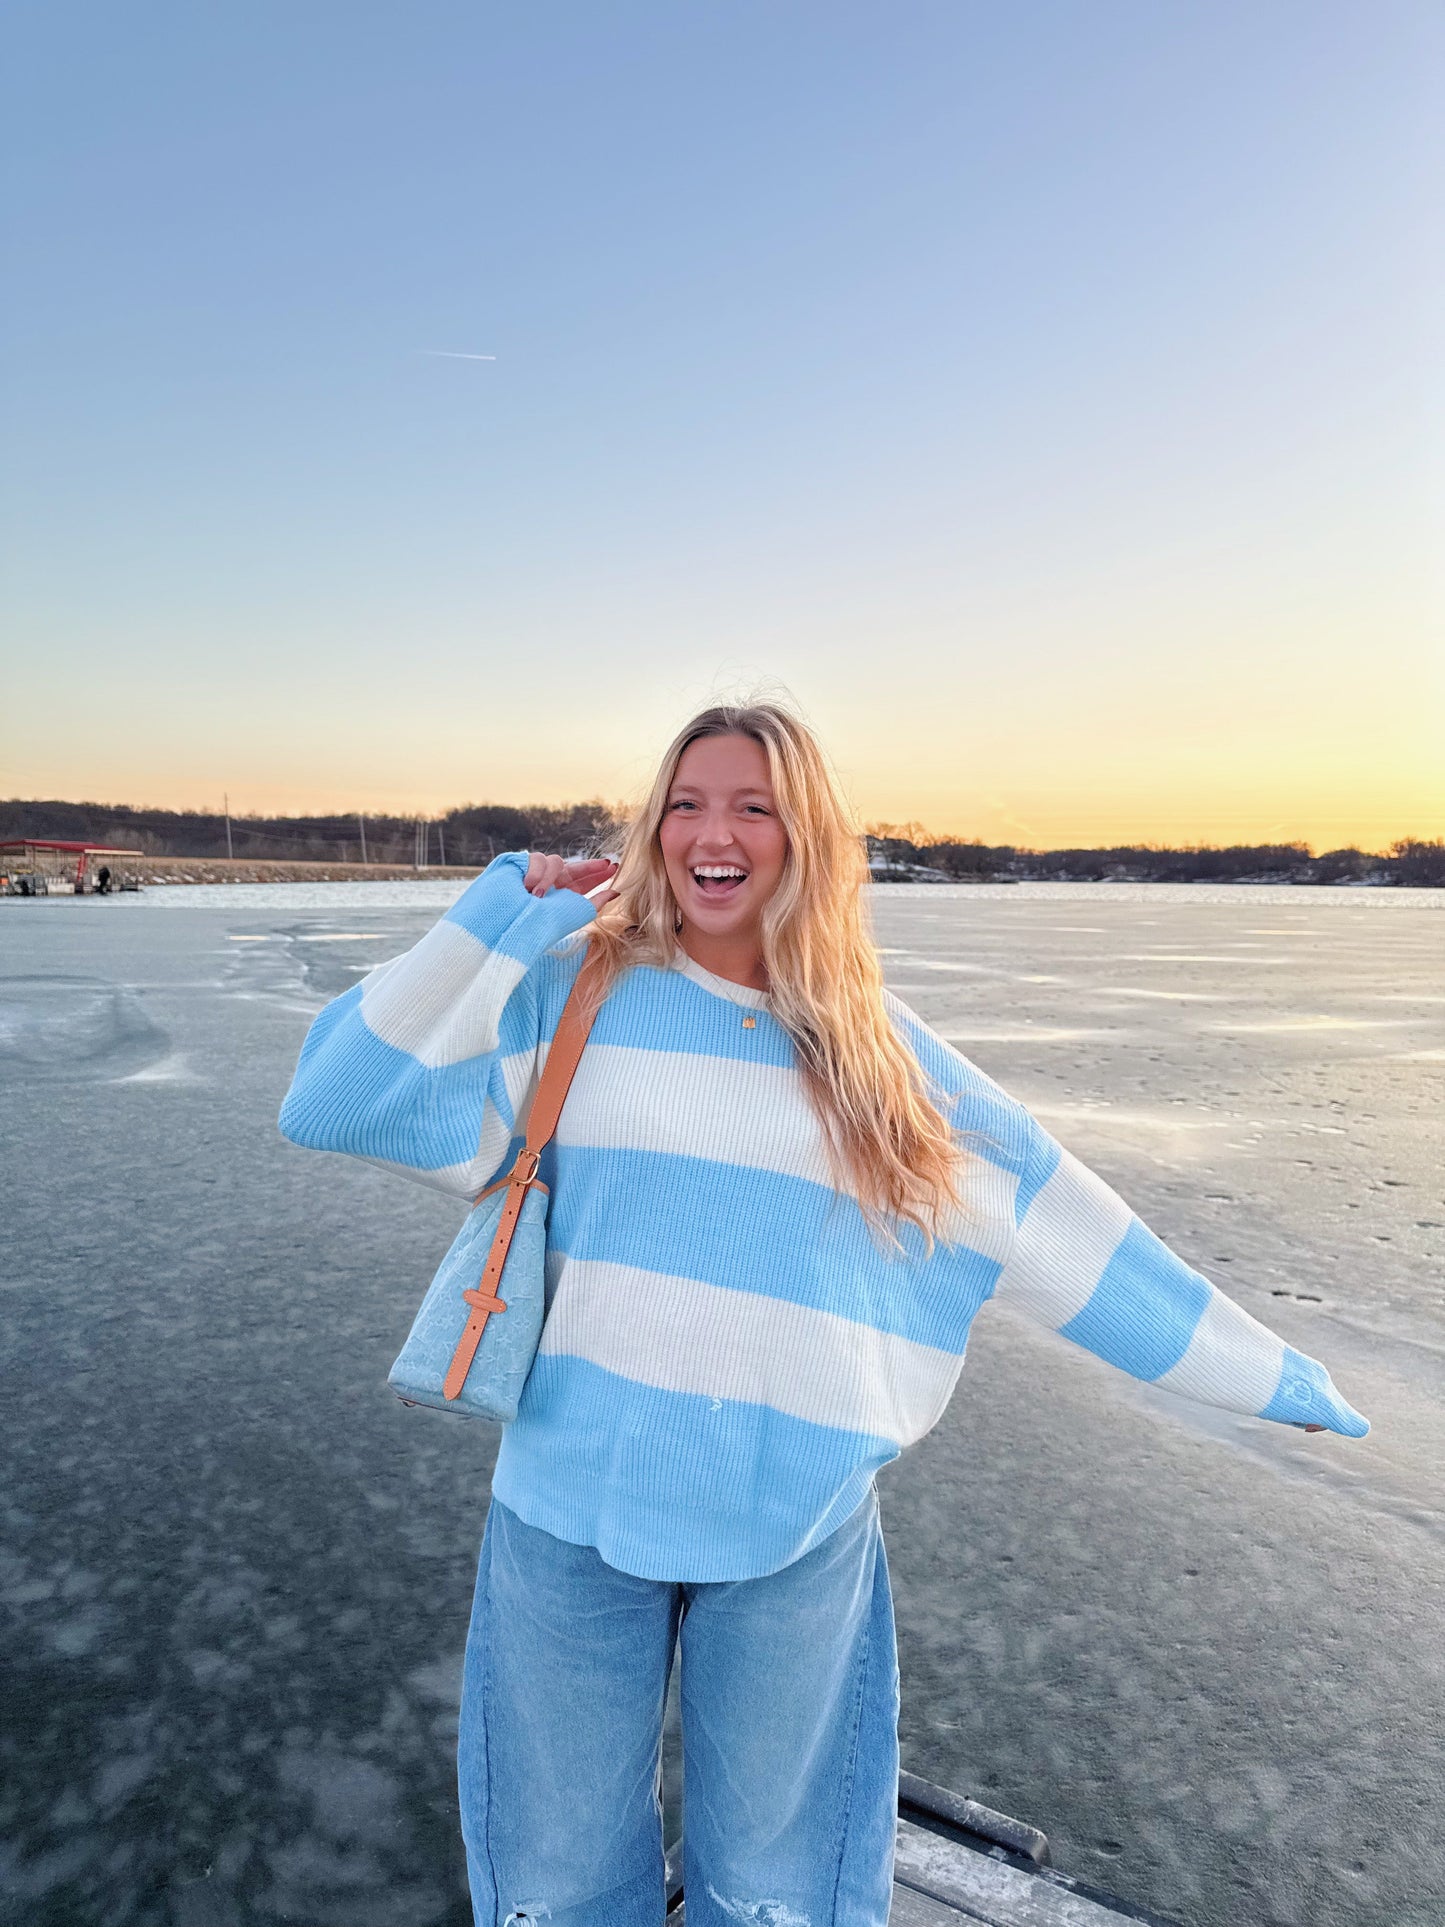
[[777, 1202]]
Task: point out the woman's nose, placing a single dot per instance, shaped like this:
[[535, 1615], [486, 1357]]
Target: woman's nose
[[715, 833]]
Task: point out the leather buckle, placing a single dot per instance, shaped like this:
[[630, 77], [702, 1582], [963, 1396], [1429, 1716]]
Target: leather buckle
[[528, 1159]]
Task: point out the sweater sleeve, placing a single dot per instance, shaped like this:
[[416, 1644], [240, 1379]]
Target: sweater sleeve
[[1084, 1265], [421, 1066]]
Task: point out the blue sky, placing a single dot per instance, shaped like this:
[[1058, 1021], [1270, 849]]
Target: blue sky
[[1047, 395]]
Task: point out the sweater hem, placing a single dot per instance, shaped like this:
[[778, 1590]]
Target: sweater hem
[[640, 1537]]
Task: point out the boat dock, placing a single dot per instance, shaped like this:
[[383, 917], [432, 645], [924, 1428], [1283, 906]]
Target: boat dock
[[959, 1864], [37, 867]]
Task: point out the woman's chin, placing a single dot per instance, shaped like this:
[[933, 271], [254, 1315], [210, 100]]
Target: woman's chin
[[719, 919]]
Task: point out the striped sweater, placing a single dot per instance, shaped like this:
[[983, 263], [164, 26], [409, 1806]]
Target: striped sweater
[[728, 1355]]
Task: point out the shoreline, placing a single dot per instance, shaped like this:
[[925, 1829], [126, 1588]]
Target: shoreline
[[164, 871]]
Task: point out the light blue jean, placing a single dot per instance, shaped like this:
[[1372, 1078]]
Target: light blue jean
[[790, 1737]]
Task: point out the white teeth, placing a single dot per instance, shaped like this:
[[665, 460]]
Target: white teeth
[[717, 870]]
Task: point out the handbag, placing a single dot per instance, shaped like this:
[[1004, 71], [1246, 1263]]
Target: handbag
[[471, 1347]]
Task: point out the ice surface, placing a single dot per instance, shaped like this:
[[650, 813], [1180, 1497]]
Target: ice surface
[[1201, 1652]]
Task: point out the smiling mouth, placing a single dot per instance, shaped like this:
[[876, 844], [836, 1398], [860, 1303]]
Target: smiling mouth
[[718, 880]]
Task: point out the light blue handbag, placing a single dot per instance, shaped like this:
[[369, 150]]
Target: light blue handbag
[[472, 1343]]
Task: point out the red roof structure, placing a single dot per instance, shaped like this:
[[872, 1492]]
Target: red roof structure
[[33, 846]]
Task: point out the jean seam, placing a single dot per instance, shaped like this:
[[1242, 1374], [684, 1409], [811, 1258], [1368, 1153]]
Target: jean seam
[[850, 1779], [487, 1741]]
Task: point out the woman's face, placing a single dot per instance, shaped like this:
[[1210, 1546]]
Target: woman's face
[[722, 843]]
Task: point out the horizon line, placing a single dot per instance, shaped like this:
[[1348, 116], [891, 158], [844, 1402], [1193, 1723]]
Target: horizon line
[[897, 832]]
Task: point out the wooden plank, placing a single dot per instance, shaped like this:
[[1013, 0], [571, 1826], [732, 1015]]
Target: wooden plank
[[986, 1890], [909, 1909], [913, 1909]]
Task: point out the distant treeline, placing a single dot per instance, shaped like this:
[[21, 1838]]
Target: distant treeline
[[912, 855], [473, 835]]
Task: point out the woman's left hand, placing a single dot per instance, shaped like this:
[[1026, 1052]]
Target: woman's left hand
[[585, 875]]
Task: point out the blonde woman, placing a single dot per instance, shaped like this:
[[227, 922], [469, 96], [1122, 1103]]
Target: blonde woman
[[777, 1202]]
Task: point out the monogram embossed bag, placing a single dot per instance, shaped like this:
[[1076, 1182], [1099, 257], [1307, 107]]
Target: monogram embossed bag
[[472, 1342]]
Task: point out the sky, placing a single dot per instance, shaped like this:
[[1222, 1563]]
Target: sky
[[1046, 397]]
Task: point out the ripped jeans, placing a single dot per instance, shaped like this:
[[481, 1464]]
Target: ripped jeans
[[790, 1737]]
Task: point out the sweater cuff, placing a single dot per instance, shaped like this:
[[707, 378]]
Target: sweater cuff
[[502, 913], [1306, 1395]]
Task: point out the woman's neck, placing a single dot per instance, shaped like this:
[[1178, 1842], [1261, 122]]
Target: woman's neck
[[738, 958]]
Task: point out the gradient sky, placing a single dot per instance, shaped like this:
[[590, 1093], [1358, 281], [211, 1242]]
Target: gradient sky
[[1047, 395]]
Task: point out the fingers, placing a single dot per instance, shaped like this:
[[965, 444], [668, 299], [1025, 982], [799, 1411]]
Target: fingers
[[543, 873], [546, 873], [586, 876]]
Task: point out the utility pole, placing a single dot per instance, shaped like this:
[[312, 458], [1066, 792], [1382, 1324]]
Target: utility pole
[[226, 800], [361, 825]]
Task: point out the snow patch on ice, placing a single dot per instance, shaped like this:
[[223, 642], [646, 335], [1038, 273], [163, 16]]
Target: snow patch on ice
[[174, 1069]]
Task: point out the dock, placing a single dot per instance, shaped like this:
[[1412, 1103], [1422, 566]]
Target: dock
[[960, 1864]]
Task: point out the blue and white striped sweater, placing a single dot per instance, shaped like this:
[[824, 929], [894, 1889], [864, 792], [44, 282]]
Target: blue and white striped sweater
[[728, 1355]]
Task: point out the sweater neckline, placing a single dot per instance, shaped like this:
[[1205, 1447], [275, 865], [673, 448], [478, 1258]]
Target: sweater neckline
[[719, 986]]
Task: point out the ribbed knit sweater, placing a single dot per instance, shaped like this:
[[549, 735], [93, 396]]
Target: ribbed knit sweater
[[729, 1354]]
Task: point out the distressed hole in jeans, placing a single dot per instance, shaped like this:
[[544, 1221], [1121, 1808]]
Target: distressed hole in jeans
[[522, 1916], [759, 1913]]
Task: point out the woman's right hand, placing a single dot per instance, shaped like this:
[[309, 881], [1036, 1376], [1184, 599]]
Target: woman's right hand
[[546, 873]]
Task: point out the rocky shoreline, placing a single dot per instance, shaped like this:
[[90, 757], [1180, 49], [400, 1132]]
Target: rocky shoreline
[[154, 870]]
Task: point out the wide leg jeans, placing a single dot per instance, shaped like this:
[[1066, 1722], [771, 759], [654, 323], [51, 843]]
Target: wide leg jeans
[[789, 1694]]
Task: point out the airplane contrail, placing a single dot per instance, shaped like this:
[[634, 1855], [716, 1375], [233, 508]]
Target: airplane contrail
[[450, 354]]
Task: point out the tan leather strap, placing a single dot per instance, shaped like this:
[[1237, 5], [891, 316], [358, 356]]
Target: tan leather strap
[[563, 1057]]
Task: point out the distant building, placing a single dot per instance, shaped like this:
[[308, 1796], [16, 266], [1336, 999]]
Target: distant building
[[37, 867]]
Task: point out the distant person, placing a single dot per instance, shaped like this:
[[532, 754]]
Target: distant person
[[102, 879], [777, 1202]]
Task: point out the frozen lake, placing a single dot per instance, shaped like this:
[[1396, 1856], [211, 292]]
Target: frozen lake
[[1202, 1653]]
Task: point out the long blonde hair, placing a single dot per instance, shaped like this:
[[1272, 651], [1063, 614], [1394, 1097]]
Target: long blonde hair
[[889, 1144]]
